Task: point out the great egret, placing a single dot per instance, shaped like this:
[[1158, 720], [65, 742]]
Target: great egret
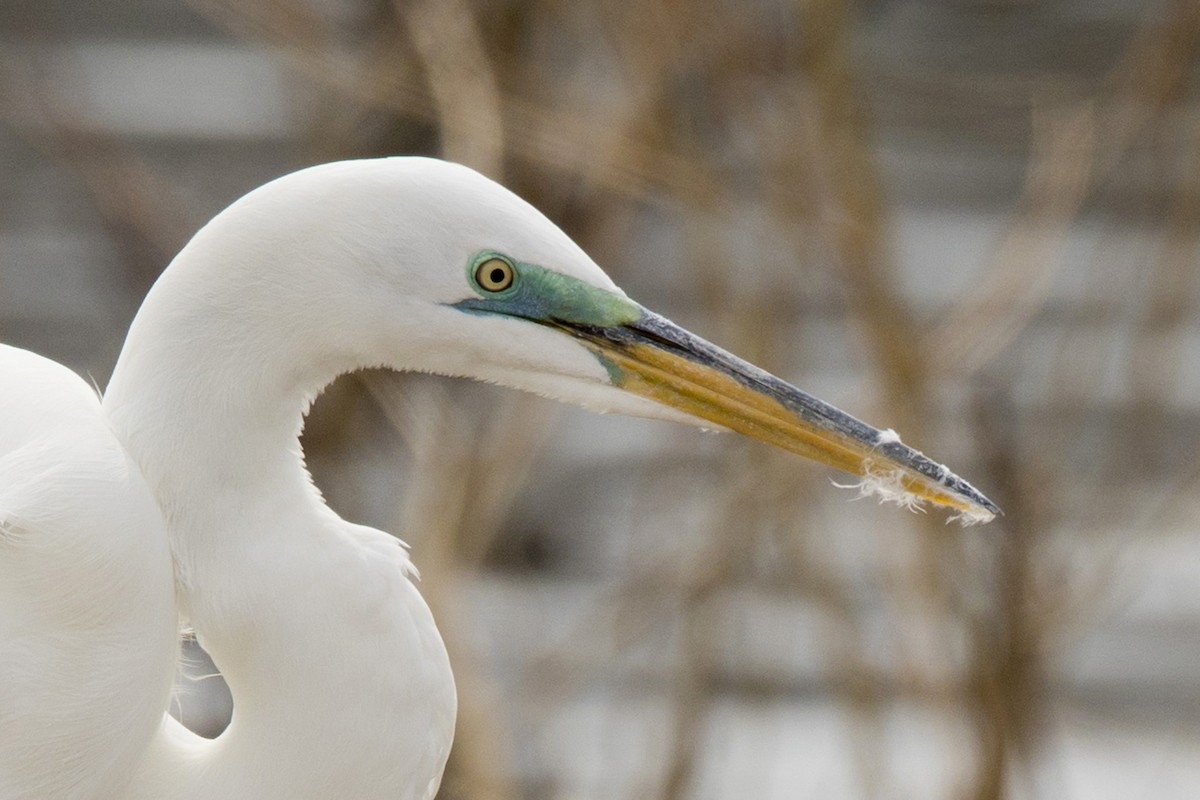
[[183, 494]]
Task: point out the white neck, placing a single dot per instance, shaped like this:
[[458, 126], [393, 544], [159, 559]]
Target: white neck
[[341, 685]]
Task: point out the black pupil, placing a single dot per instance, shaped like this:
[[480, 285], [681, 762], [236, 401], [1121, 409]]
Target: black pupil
[[497, 275]]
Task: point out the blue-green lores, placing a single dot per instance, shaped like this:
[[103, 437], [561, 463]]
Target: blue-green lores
[[541, 295]]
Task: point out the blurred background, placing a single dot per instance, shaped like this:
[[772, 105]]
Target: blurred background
[[974, 221]]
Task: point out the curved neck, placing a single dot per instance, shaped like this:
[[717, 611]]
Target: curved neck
[[340, 682]]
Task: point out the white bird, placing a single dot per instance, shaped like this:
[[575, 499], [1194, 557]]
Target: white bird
[[183, 493]]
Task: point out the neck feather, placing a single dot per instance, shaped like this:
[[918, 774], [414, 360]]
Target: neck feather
[[340, 681]]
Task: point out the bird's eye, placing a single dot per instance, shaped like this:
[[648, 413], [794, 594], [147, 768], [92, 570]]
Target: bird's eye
[[494, 274]]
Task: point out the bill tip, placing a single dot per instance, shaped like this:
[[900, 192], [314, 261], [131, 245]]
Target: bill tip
[[969, 507], [977, 515]]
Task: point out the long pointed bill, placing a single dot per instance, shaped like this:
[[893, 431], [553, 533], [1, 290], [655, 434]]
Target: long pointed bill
[[655, 358]]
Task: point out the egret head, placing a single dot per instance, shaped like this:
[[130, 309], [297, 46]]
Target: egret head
[[420, 264]]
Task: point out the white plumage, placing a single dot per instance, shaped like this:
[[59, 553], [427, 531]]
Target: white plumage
[[184, 496], [87, 602]]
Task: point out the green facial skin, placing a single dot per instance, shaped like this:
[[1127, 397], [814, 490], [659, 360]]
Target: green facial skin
[[540, 295], [553, 299]]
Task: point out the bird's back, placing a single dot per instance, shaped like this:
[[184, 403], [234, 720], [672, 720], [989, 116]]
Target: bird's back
[[87, 612]]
